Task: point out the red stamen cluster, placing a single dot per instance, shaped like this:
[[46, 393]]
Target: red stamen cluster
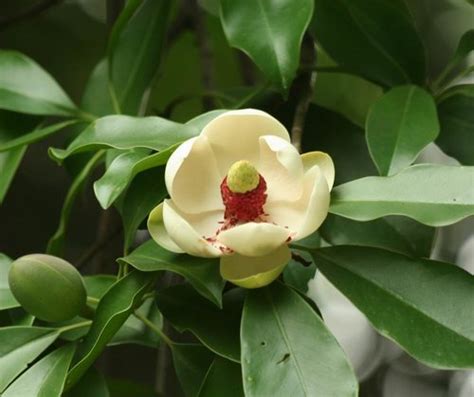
[[244, 207]]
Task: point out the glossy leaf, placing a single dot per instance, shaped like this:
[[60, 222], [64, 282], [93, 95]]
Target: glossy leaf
[[112, 312], [202, 273], [56, 242], [96, 98], [435, 195], [135, 51], [344, 141], [123, 169], [218, 329], [145, 192], [394, 233], [283, 339], [44, 379], [364, 36], [466, 45], [224, 378], [191, 363], [125, 132], [92, 384], [409, 300], [12, 126], [274, 44], [399, 125], [299, 271], [26, 88], [7, 300], [98, 284], [34, 136], [134, 331], [456, 116], [21, 345]]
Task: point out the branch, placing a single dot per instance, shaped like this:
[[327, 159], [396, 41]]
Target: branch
[[303, 89], [31, 12]]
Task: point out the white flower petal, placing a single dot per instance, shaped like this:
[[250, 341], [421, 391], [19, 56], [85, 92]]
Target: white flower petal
[[234, 135], [281, 166], [185, 233], [158, 232], [254, 271], [324, 161], [305, 215], [254, 239], [192, 177]]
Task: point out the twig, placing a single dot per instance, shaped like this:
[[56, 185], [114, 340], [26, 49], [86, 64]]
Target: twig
[[31, 12], [303, 89]]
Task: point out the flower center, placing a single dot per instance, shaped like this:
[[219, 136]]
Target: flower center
[[243, 193]]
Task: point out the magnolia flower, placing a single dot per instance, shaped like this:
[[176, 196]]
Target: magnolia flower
[[240, 191]]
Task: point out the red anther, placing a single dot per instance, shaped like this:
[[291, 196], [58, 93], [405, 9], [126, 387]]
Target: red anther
[[244, 207]]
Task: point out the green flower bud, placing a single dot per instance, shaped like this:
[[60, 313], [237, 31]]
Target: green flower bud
[[242, 177], [47, 287]]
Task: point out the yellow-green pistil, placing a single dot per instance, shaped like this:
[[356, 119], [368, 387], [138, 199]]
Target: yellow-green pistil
[[242, 177]]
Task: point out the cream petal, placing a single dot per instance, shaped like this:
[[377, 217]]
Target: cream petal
[[305, 215], [158, 232], [234, 135], [187, 237], [254, 239], [324, 161], [281, 166], [192, 177], [254, 271]]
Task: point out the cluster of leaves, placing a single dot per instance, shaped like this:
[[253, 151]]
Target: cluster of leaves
[[270, 341]]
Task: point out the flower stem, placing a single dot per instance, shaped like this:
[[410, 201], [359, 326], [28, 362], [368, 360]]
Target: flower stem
[[75, 326]]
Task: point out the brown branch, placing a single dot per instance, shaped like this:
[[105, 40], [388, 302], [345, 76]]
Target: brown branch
[[303, 88], [298, 258], [28, 13]]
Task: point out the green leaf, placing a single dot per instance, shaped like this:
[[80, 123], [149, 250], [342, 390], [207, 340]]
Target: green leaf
[[145, 192], [92, 384], [125, 132], [408, 300], [9, 163], [342, 140], [466, 45], [135, 51], [456, 116], [296, 274], [44, 379], [113, 310], [7, 300], [202, 273], [26, 88], [96, 98], [283, 339], [399, 125], [191, 363], [123, 169], [134, 331], [435, 195], [12, 126], [364, 36], [128, 388], [394, 233], [35, 136], [98, 284], [218, 329], [56, 242], [275, 42], [221, 374], [21, 345]]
